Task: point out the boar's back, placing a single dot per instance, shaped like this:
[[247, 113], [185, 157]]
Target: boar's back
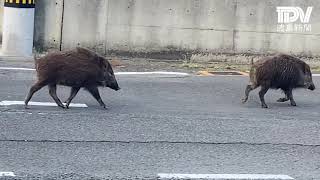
[[71, 68], [280, 71]]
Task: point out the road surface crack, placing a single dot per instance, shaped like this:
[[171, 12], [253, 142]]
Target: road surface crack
[[162, 142]]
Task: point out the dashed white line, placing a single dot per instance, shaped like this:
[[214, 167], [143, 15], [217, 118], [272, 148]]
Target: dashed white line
[[7, 174], [225, 176], [10, 103]]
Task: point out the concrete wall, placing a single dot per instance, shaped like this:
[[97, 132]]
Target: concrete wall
[[1, 17], [48, 24], [172, 28]]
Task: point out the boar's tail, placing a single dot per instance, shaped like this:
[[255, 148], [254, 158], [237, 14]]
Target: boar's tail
[[36, 60], [251, 63]]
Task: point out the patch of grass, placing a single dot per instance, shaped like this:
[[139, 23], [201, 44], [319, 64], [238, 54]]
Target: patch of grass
[[192, 65], [315, 69]]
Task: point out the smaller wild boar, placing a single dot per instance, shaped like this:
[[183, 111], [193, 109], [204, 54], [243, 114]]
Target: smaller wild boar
[[76, 68], [280, 71]]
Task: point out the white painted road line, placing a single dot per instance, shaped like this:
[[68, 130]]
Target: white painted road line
[[225, 176], [13, 68], [124, 73], [7, 174], [151, 73], [9, 103], [117, 73]]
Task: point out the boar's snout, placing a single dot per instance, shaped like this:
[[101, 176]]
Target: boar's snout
[[113, 84], [311, 87], [116, 87], [308, 83], [110, 79]]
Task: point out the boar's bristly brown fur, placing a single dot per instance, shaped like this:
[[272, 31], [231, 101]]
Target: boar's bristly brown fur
[[281, 71], [76, 68]]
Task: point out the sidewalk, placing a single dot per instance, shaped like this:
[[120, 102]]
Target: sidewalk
[[139, 65], [122, 64], [15, 61]]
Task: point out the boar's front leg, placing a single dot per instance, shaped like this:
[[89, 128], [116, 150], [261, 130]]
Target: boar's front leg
[[290, 96], [95, 93], [74, 91], [262, 92], [53, 94]]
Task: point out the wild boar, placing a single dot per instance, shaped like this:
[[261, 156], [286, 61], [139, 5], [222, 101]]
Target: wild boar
[[76, 68], [280, 71]]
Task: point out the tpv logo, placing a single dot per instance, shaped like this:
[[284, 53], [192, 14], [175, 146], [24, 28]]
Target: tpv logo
[[292, 14], [288, 19]]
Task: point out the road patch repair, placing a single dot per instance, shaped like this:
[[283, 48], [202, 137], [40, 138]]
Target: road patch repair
[[231, 73], [10, 103], [225, 176]]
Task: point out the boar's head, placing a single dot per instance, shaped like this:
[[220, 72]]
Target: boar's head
[[308, 83], [109, 79]]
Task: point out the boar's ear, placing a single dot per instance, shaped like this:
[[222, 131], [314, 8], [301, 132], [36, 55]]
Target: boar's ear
[[85, 51], [108, 65], [102, 61], [306, 69]]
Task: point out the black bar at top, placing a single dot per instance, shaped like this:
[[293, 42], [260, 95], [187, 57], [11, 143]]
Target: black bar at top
[[20, 5]]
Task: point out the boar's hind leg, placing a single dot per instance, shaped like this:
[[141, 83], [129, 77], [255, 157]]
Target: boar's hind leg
[[289, 96], [36, 87], [95, 93], [285, 98], [247, 91], [262, 92], [74, 91], [53, 94]]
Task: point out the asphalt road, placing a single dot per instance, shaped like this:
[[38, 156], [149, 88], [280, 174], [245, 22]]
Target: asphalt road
[[159, 124]]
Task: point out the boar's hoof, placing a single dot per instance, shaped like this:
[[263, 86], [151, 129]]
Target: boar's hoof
[[103, 106], [26, 107], [282, 100], [293, 104], [264, 106], [62, 106], [244, 100]]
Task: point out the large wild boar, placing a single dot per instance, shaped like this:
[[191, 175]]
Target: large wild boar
[[75, 68], [280, 71]]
